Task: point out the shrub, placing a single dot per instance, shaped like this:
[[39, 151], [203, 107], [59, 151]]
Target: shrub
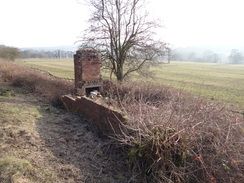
[[177, 137], [9, 53]]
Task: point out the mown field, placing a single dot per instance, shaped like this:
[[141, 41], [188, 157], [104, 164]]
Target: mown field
[[59, 67], [218, 82]]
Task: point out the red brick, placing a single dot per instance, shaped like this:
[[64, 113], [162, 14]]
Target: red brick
[[105, 120], [87, 69]]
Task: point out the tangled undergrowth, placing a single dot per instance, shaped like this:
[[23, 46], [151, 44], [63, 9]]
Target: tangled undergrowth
[[171, 136], [178, 137]]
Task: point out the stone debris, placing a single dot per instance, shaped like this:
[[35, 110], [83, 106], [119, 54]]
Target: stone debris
[[95, 95]]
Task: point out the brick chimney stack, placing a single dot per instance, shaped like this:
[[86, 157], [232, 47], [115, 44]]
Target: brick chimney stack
[[87, 72]]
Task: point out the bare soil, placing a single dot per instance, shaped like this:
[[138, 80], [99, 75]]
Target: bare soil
[[41, 143]]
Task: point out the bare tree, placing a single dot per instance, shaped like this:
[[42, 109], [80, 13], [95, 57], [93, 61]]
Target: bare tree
[[123, 34], [9, 53], [235, 57], [171, 54]]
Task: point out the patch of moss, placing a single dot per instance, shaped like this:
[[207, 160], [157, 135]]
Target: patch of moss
[[12, 167], [21, 169], [125, 118], [6, 93]]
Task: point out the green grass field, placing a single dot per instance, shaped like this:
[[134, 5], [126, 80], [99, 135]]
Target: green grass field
[[59, 67], [219, 82]]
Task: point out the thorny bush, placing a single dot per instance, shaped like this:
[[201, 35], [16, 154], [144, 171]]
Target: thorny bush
[[178, 137]]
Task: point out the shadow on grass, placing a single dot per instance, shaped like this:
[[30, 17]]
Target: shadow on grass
[[59, 142], [79, 154]]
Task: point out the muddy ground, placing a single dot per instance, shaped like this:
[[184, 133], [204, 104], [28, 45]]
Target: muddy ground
[[41, 143]]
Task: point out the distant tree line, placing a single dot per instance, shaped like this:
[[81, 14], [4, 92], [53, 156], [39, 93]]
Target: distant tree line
[[11, 53], [30, 53], [234, 57], [208, 56]]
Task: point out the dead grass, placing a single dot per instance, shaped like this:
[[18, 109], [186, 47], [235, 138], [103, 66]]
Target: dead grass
[[43, 144], [177, 137], [49, 87], [22, 171]]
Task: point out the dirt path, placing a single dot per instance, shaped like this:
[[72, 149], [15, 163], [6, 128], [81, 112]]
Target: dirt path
[[40, 143]]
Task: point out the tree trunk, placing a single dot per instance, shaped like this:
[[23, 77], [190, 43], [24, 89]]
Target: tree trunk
[[119, 74]]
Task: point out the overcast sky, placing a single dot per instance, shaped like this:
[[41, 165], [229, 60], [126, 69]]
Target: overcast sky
[[37, 23]]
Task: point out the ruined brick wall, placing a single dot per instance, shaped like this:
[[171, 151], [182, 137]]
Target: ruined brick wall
[[88, 78], [105, 120], [87, 71]]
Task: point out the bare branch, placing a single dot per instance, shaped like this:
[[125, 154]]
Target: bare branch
[[120, 29]]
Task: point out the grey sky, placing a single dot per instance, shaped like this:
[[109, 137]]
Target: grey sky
[[35, 23]]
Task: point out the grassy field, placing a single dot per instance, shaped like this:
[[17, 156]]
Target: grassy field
[[59, 67], [219, 82]]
